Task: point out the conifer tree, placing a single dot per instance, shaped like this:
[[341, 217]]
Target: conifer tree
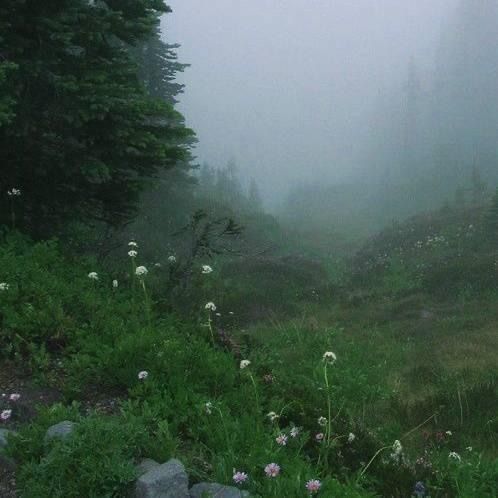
[[80, 134]]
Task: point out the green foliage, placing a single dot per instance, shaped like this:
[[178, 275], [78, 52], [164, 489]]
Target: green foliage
[[96, 461], [7, 101], [50, 302], [83, 133], [197, 404]]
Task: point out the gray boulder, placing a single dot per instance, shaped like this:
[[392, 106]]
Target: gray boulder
[[145, 465], [5, 462], [211, 489], [3, 437], [168, 480], [62, 430]]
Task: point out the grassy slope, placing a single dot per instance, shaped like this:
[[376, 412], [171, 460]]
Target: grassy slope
[[411, 349]]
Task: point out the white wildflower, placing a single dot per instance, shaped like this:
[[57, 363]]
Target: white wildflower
[[171, 259], [206, 269], [14, 192], [4, 286], [210, 306], [141, 271], [273, 416], [455, 456], [132, 253], [449, 433], [294, 432], [329, 357], [351, 437], [132, 244], [322, 421], [115, 284], [397, 451], [244, 364], [93, 275], [397, 448], [143, 375]]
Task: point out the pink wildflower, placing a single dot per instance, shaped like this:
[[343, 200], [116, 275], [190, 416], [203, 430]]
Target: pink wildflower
[[14, 397], [313, 486], [240, 477], [272, 470], [5, 415], [281, 439]]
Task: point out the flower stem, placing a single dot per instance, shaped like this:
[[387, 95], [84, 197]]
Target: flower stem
[[256, 396], [329, 405], [209, 324]]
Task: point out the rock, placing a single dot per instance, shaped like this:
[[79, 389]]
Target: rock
[[3, 437], [145, 465], [168, 480], [62, 430], [6, 463], [205, 489]]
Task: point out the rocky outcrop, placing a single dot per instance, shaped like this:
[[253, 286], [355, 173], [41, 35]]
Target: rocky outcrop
[[168, 480], [62, 430]]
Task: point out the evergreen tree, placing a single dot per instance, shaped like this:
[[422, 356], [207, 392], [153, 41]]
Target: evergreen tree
[[254, 196], [83, 133], [478, 187]]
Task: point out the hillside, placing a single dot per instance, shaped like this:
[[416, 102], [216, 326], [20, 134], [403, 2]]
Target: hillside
[[410, 319]]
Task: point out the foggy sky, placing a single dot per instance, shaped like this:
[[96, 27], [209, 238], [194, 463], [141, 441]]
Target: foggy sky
[[287, 87]]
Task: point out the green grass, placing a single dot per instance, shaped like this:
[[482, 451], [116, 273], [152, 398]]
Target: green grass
[[411, 365]]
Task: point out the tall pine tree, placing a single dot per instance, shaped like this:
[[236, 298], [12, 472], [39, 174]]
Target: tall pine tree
[[82, 133]]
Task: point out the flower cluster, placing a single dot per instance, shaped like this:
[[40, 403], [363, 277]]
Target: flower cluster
[[294, 432], [313, 486], [141, 271], [272, 470], [397, 451], [244, 364], [93, 275], [206, 269], [240, 477], [281, 439], [5, 415], [273, 416], [14, 192], [329, 357], [4, 286]]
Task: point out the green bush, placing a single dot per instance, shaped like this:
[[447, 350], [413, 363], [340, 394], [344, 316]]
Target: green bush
[[96, 461]]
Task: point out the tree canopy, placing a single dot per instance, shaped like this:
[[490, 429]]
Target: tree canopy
[[79, 132]]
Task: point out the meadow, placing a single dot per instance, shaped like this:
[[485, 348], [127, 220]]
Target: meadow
[[372, 376]]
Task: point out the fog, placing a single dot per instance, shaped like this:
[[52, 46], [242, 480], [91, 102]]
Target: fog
[[289, 89]]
